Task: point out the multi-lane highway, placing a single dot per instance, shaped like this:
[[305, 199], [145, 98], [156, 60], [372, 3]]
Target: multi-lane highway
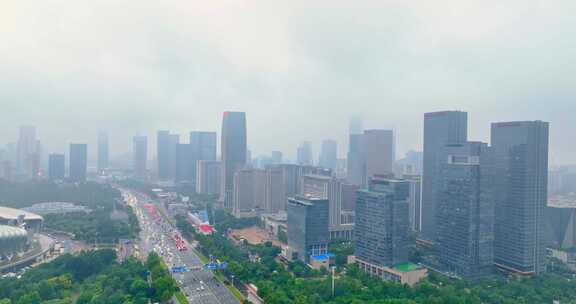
[[156, 235]]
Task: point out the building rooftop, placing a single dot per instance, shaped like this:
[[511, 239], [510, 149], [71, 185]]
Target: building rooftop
[[406, 267], [13, 214], [323, 256]]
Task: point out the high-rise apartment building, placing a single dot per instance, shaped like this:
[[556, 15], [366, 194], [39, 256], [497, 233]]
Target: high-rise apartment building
[[140, 156], [440, 129], [381, 228], [103, 152], [56, 166], [208, 177], [78, 162], [307, 221], [328, 154], [465, 210], [521, 173], [234, 153]]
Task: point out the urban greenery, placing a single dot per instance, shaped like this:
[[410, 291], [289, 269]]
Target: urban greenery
[[296, 283], [92, 277], [97, 226]]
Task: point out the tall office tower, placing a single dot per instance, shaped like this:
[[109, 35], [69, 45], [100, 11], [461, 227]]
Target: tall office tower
[[204, 145], [78, 162], [356, 164], [185, 164], [249, 192], [275, 200], [163, 154], [203, 148], [103, 152], [174, 141], [27, 152], [233, 153], [307, 221], [140, 156], [440, 129], [381, 229], [379, 152], [521, 165], [304, 154], [328, 154], [56, 166], [465, 210], [208, 177], [276, 157]]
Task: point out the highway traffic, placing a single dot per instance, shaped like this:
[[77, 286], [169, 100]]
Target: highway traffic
[[160, 236]]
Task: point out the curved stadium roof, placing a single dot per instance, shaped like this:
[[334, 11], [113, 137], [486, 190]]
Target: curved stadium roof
[[10, 232], [12, 214]]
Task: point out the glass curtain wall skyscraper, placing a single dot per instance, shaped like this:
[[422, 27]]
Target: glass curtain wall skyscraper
[[233, 151]]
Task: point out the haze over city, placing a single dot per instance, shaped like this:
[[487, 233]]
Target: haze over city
[[299, 69]]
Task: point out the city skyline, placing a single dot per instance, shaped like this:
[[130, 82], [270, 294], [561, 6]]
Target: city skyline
[[180, 73]]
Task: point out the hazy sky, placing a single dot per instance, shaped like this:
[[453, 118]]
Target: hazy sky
[[298, 68]]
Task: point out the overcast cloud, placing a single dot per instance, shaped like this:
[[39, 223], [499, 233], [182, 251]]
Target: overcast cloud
[[298, 68]]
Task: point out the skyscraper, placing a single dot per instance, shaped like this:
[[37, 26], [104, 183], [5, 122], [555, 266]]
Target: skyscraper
[[203, 147], [140, 156], [415, 201], [185, 164], [304, 154], [103, 151], [163, 154], [356, 165], [379, 152], [465, 210], [27, 157], [78, 162], [307, 223], [233, 153], [328, 154], [521, 166], [208, 177], [381, 229], [56, 166], [440, 129]]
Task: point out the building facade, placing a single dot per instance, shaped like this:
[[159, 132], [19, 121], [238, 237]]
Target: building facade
[[78, 162], [381, 228], [208, 177], [56, 166], [328, 154], [140, 156], [465, 210], [521, 164], [234, 153], [307, 221], [440, 128]]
